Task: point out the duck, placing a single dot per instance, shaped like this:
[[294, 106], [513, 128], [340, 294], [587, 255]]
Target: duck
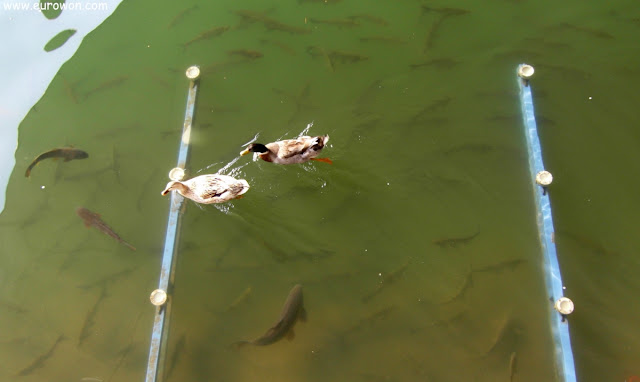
[[289, 151], [209, 188]]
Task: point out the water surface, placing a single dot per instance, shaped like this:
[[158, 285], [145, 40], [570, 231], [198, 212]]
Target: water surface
[[417, 248]]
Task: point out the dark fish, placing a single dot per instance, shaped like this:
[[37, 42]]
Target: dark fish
[[269, 22], [276, 25], [383, 39], [90, 319], [512, 366], [176, 353], [70, 90], [67, 153], [431, 33], [284, 47], [370, 18], [316, 51], [586, 30], [446, 12], [181, 16], [429, 109], [39, 362], [213, 32], [292, 311], [319, 1], [455, 241], [367, 322], [508, 264], [93, 219], [106, 85], [336, 22], [250, 54], [387, 279], [438, 63], [105, 281], [253, 16], [239, 300], [346, 57]]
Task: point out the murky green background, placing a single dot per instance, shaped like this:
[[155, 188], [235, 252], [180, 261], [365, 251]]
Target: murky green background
[[422, 154]]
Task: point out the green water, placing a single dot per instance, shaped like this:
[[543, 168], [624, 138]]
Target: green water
[[421, 155]]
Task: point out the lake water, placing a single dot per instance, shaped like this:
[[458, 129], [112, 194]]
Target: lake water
[[417, 249]]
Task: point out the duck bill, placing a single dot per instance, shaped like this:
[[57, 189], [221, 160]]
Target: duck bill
[[244, 152]]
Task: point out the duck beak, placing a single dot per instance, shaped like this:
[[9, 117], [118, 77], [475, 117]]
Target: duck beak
[[244, 152], [168, 189]]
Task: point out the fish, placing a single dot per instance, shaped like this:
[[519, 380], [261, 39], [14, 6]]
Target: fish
[[292, 311], [446, 11], [319, 1], [39, 362], [429, 109], [466, 285], [284, 47], [106, 85], [269, 22], [246, 53], [181, 16], [365, 323], [176, 353], [90, 319], [512, 366], [275, 25], [67, 153], [93, 219], [387, 279], [455, 241], [213, 32], [244, 296], [508, 264], [316, 51], [383, 39], [336, 22], [431, 33], [370, 18], [438, 63], [105, 281], [586, 30], [346, 57], [68, 87]]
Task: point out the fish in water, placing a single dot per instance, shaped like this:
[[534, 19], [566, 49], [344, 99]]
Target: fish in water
[[67, 153], [106, 85], [336, 22], [292, 311], [40, 361], [455, 241], [93, 219], [206, 35], [246, 53]]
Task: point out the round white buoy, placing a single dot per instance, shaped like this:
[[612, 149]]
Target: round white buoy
[[564, 306], [525, 71], [158, 297], [193, 72], [544, 178], [176, 174]]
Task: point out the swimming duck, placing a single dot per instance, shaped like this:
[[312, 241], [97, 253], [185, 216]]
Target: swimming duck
[[299, 150], [210, 188]]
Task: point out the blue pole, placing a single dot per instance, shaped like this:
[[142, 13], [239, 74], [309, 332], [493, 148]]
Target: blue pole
[[553, 280], [160, 323]]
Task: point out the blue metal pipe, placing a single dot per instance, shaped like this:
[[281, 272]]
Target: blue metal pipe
[[161, 321], [559, 324]]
